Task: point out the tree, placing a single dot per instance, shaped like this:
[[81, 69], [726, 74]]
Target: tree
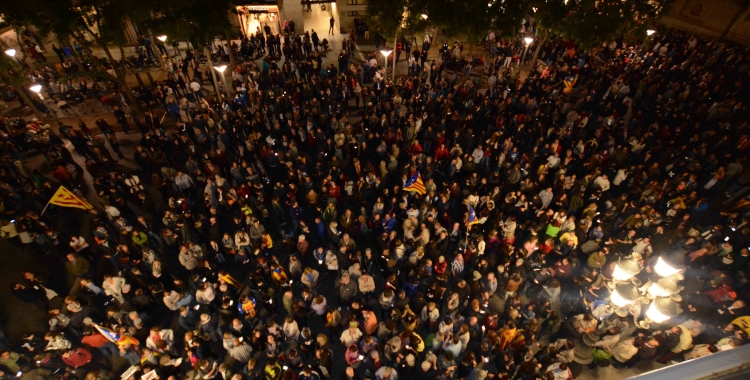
[[199, 21], [93, 23], [588, 22], [389, 16]]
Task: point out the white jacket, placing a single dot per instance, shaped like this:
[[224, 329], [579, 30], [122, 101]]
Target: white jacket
[[115, 288], [602, 183], [206, 296], [166, 335], [621, 176]]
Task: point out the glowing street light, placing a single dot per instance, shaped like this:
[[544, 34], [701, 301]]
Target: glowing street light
[[11, 52], [625, 269], [662, 309], [424, 16], [162, 38], [221, 69], [655, 315], [624, 295], [385, 54], [619, 300], [38, 90], [664, 269], [665, 287], [650, 32], [528, 40]]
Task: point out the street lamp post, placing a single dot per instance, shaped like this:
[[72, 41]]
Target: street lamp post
[[528, 40], [221, 69], [385, 54], [13, 53], [37, 88], [163, 39]]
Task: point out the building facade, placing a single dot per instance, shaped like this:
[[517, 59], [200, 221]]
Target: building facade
[[253, 15]]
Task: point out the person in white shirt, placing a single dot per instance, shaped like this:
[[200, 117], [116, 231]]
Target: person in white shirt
[[561, 371], [602, 182], [291, 329], [115, 287], [112, 212], [351, 335], [622, 175], [205, 293], [553, 161]]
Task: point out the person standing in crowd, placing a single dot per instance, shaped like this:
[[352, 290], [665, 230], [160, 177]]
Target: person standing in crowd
[[440, 228]]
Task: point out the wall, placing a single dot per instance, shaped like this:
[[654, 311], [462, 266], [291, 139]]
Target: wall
[[358, 10], [710, 18], [292, 10]]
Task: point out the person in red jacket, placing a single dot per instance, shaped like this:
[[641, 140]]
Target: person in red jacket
[[77, 357], [442, 153]]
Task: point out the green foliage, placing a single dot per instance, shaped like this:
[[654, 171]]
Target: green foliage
[[588, 22], [198, 21]]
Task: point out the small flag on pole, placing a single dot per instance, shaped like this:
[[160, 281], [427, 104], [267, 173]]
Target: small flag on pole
[[66, 198], [472, 218], [119, 339], [415, 184], [569, 83]]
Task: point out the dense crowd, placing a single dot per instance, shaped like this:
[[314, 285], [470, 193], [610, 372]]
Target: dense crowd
[[466, 226]]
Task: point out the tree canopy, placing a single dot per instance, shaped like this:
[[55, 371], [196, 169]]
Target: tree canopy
[[198, 21], [588, 22]]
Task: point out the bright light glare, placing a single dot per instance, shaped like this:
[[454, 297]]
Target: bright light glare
[[162, 38], [36, 88], [663, 269], [11, 52], [655, 315], [650, 32], [620, 274], [221, 68], [424, 16], [656, 290], [386, 53], [619, 300], [528, 40]]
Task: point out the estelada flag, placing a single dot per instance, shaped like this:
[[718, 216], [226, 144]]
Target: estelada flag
[[66, 198], [569, 83], [472, 218], [119, 339], [415, 184]]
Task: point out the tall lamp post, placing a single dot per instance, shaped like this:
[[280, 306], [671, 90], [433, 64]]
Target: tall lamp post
[[221, 69], [385, 54], [163, 40], [528, 40], [37, 88], [12, 53]]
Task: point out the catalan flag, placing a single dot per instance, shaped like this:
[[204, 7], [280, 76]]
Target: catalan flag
[[66, 198], [119, 339], [472, 218], [226, 277], [415, 184], [569, 83]]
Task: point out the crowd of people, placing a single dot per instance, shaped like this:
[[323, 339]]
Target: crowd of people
[[459, 229]]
